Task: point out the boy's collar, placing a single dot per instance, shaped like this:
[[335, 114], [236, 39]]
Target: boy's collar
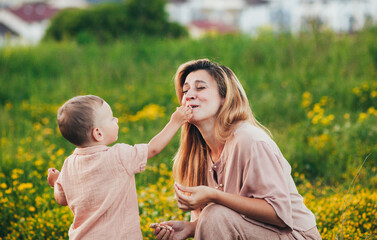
[[90, 150]]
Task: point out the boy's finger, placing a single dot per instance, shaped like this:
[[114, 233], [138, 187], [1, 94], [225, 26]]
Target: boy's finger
[[154, 225]]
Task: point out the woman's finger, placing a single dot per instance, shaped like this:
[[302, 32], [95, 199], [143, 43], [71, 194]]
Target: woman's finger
[[167, 235], [183, 188], [161, 234], [156, 231], [180, 194], [171, 235], [184, 207]]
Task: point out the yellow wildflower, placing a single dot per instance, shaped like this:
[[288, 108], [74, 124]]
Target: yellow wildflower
[[125, 129], [60, 152], [316, 119], [47, 131], [37, 126], [151, 111], [8, 105], [14, 176], [356, 91], [38, 162], [362, 117], [24, 186], [310, 114], [305, 103], [306, 99], [45, 121], [324, 100], [317, 108], [371, 110]]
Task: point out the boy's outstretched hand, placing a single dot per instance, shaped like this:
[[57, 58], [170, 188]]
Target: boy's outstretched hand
[[182, 114], [53, 175]]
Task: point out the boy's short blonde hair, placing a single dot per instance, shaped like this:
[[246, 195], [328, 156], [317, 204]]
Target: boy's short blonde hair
[[76, 118]]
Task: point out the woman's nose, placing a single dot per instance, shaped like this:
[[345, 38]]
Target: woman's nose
[[190, 95]]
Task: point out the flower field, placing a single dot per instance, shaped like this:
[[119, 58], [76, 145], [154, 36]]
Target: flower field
[[317, 93]]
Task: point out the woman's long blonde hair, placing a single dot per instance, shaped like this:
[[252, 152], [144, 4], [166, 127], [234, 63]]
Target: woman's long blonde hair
[[190, 163]]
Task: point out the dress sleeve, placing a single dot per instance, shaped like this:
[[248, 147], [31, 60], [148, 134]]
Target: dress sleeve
[[133, 158], [195, 215], [264, 177]]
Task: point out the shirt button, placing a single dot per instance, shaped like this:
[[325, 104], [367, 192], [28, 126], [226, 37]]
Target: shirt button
[[214, 166], [210, 170]]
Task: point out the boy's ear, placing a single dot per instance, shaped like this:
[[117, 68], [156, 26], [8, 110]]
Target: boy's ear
[[97, 134]]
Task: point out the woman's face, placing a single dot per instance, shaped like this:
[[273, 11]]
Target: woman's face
[[200, 92]]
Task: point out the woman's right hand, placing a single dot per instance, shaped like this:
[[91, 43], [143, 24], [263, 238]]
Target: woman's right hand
[[181, 230]]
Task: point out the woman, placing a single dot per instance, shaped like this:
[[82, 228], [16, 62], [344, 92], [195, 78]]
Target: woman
[[229, 172]]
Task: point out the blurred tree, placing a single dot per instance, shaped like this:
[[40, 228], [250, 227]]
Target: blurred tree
[[107, 22]]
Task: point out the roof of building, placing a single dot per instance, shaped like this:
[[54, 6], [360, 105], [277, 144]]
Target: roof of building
[[256, 2], [34, 12], [177, 1]]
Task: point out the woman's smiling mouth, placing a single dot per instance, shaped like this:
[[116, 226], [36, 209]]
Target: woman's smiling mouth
[[193, 106]]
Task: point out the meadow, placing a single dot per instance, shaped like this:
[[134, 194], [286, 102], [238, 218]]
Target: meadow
[[317, 93]]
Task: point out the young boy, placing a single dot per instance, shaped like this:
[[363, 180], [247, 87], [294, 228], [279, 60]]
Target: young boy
[[97, 182]]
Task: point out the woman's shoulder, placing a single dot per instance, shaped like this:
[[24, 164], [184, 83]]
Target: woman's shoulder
[[245, 131], [254, 138]]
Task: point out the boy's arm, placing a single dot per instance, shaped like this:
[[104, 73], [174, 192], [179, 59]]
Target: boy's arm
[[179, 117], [59, 197], [53, 175]]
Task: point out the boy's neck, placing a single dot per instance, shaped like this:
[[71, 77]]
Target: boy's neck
[[91, 144]]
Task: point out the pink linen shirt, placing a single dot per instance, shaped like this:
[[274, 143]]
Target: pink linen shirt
[[99, 185], [251, 165]]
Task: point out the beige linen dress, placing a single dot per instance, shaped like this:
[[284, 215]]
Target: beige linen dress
[[251, 165]]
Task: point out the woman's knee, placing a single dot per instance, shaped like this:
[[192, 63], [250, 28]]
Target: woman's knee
[[217, 215], [219, 222]]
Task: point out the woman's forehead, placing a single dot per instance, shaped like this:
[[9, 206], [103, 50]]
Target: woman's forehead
[[199, 76]]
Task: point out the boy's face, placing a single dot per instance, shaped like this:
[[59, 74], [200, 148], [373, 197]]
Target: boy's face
[[107, 123]]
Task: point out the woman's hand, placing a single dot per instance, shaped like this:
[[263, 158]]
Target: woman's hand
[[191, 198], [177, 230]]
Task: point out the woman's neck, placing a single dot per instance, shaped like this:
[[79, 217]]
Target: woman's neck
[[215, 146]]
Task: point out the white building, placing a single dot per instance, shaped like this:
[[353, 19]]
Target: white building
[[25, 22], [281, 15], [297, 15], [225, 11], [202, 16]]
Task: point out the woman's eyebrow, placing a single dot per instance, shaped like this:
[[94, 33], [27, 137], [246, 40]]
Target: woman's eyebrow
[[196, 82], [200, 81]]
